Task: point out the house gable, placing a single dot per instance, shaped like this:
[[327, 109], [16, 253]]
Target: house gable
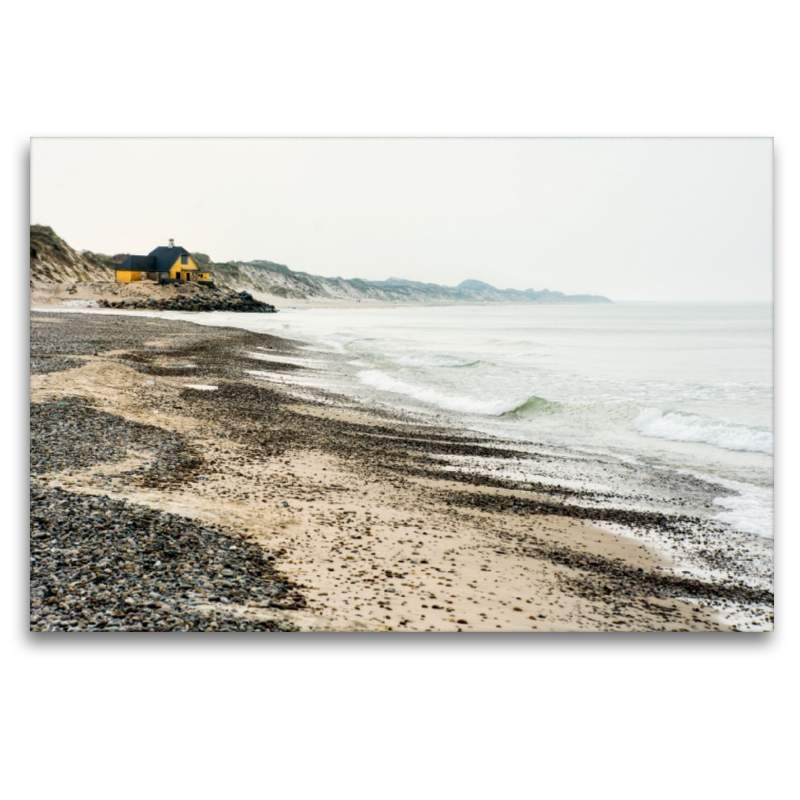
[[163, 263], [183, 263], [165, 257]]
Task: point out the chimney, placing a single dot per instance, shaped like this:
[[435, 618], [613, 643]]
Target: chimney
[[172, 243]]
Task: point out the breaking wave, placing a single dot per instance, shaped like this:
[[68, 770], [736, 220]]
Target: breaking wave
[[536, 405], [449, 402], [529, 406], [682, 427]]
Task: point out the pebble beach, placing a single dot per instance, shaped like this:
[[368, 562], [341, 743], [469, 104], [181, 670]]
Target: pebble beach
[[174, 488]]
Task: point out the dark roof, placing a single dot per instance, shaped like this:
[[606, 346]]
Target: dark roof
[[143, 263], [159, 260], [165, 257]]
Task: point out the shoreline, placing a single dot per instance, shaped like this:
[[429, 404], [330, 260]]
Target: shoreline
[[49, 295], [351, 502]]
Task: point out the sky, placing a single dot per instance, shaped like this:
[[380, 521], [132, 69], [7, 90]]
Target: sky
[[631, 219]]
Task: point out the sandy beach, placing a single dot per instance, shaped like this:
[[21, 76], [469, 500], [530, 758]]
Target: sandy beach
[[350, 507]]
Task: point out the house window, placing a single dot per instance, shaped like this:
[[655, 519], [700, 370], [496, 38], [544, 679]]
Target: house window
[[184, 259]]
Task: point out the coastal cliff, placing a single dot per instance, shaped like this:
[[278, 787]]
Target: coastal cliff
[[278, 280]]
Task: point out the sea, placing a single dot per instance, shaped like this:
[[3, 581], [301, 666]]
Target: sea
[[662, 406]]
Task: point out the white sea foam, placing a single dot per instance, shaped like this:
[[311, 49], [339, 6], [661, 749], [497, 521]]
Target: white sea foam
[[203, 387], [682, 427], [750, 510], [459, 403], [298, 362], [288, 378]]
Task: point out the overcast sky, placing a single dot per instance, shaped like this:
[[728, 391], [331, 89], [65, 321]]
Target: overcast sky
[[632, 219]]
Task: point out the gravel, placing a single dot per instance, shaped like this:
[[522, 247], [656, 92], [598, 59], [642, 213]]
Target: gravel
[[71, 434], [99, 564]]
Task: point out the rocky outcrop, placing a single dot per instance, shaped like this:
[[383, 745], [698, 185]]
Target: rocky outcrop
[[213, 301]]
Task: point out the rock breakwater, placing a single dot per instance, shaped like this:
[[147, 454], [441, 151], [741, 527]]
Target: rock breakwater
[[214, 301]]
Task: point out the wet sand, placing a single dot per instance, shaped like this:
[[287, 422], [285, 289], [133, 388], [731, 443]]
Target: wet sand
[[352, 502]]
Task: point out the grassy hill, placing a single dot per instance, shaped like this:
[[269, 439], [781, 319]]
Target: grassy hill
[[53, 260]]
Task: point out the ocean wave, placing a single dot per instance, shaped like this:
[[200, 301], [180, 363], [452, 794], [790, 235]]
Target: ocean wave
[[682, 427], [435, 361], [449, 402], [333, 344], [536, 405]]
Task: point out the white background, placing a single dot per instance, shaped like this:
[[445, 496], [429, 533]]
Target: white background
[[494, 716]]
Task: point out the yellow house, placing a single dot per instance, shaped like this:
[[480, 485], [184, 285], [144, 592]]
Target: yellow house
[[163, 265]]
